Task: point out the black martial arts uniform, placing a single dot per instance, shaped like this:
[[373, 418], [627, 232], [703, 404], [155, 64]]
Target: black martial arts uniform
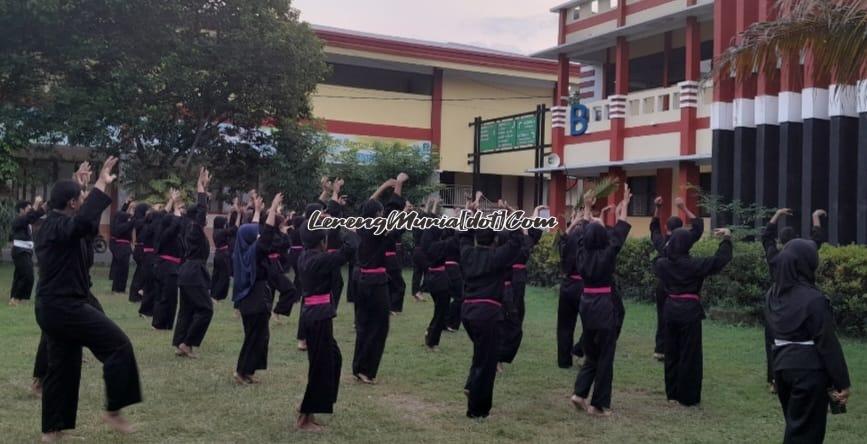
[[571, 289], [600, 316], [769, 242], [195, 309], [658, 239], [418, 270], [278, 265], [220, 278], [22, 254], [394, 260], [430, 255], [512, 327], [120, 245], [334, 242], [170, 253], [372, 300], [682, 277], [150, 285], [69, 322], [456, 280], [138, 222], [484, 270], [253, 296], [323, 355], [807, 357]]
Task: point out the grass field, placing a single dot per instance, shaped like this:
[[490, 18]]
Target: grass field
[[419, 397]]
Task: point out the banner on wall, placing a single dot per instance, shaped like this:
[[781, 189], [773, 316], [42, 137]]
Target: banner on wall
[[364, 145]]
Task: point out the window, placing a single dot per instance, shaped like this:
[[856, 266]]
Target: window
[[646, 72], [643, 192], [379, 79]]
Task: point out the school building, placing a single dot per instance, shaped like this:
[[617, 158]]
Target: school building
[[780, 140]]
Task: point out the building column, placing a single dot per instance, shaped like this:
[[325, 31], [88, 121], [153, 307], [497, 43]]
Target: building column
[[617, 102], [767, 128], [744, 189], [436, 110], [557, 185], [722, 179], [688, 176], [843, 160], [862, 161], [664, 177], [815, 161], [689, 87], [791, 139]]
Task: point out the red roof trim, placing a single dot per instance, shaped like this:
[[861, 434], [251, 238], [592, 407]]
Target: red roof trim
[[412, 49]]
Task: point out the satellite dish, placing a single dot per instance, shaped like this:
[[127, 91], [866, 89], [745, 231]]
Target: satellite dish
[[552, 160]]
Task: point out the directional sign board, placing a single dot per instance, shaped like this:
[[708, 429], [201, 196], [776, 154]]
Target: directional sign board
[[508, 134]]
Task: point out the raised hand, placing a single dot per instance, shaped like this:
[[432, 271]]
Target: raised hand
[[105, 175], [780, 213], [259, 203], [819, 213], [402, 177], [82, 175], [679, 203], [174, 195], [722, 232], [658, 201], [276, 202], [204, 180]]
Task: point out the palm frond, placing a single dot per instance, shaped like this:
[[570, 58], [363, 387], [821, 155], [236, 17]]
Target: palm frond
[[601, 188]]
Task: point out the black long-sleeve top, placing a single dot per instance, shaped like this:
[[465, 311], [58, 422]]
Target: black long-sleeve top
[[21, 226], [122, 226], [658, 239], [316, 268], [150, 229], [597, 266], [769, 242], [528, 242], [372, 247], [484, 271], [194, 270], [170, 241], [63, 250], [570, 247], [138, 224], [804, 314], [685, 276]]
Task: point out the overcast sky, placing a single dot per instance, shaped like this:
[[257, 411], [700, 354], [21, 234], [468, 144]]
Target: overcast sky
[[522, 26]]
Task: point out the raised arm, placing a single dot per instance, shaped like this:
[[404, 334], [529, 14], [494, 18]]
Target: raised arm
[[325, 184], [723, 255], [398, 186], [769, 234], [202, 197], [817, 233], [390, 183], [258, 205], [820, 324]]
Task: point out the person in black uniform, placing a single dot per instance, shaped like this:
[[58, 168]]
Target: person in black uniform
[[22, 249], [599, 309], [222, 263], [393, 260], [769, 242], [250, 291], [138, 221], [484, 267], [682, 277], [808, 362], [418, 270], [571, 288], [278, 264], [456, 281], [431, 256], [196, 308], [69, 321], [658, 239], [317, 266], [120, 245], [150, 287], [170, 253]]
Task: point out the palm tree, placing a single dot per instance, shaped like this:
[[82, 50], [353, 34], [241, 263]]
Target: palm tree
[[833, 31]]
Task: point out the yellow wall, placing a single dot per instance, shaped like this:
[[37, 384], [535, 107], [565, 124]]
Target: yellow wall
[[410, 113], [457, 136], [651, 147]]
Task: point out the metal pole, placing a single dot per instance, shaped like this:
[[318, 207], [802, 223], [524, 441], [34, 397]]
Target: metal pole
[[477, 160]]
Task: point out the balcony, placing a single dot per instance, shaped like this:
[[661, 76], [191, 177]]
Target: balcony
[[649, 107]]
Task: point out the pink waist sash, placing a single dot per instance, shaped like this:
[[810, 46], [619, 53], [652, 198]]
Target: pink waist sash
[[317, 299]]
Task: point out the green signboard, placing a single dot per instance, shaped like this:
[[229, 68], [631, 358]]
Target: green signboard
[[508, 134]]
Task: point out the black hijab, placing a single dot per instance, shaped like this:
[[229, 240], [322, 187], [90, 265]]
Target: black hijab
[[679, 243], [673, 223], [795, 265], [595, 236]]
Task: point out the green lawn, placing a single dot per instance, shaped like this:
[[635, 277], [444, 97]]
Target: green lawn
[[419, 397]]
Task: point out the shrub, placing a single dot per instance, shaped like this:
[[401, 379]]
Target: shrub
[[842, 275], [543, 268]]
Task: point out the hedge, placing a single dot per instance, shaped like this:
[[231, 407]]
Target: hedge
[[740, 288]]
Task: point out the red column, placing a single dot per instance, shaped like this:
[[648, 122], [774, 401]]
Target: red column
[[561, 31], [747, 14], [621, 13], [436, 111], [688, 175], [723, 31], [557, 185], [768, 84], [621, 89], [664, 178], [689, 87]]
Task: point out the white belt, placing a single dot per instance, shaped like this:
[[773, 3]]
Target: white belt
[[27, 245], [781, 342]]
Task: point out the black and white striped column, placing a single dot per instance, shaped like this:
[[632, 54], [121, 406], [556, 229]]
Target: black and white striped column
[[744, 151], [843, 160], [767, 151], [861, 204], [722, 158], [815, 161]]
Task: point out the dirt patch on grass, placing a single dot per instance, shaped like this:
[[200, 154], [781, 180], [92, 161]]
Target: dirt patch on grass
[[412, 408]]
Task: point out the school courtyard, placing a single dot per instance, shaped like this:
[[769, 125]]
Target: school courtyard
[[418, 398]]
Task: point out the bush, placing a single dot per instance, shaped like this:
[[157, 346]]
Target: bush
[[740, 288], [7, 214]]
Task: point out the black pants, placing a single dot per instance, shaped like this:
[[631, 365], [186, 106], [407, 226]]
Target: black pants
[[456, 288], [371, 326], [396, 289], [660, 295], [220, 277], [336, 287], [323, 372], [149, 286], [598, 368], [683, 361], [254, 350], [567, 317], [194, 316], [136, 284], [804, 398], [769, 355], [512, 327], [441, 296], [68, 325], [119, 270], [40, 366], [483, 370], [417, 273], [22, 278], [166, 302]]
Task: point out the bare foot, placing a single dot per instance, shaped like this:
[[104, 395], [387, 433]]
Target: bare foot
[[419, 297], [659, 356], [36, 387], [598, 412], [467, 393], [394, 313], [253, 380], [306, 423], [187, 351], [116, 422], [580, 403], [13, 302], [52, 437], [365, 379], [501, 367], [302, 345], [237, 314], [241, 379], [772, 388], [433, 348]]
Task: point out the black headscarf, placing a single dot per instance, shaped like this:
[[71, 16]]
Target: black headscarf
[[310, 208], [679, 243], [311, 238], [485, 236], [673, 223], [219, 222], [795, 265], [787, 234], [141, 210], [371, 208], [595, 236]]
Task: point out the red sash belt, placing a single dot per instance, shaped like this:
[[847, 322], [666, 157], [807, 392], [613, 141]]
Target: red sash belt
[[689, 296], [172, 259], [148, 250], [576, 277], [379, 270], [274, 256], [296, 247], [331, 250], [440, 268], [483, 301], [597, 290], [121, 241], [452, 263], [317, 299], [519, 266], [390, 253]]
